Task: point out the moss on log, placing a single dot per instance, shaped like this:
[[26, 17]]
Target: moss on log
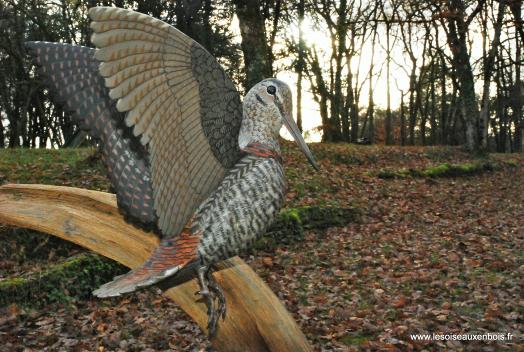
[[443, 170], [74, 278], [290, 226]]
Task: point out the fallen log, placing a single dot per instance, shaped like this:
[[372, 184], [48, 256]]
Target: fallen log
[[256, 319]]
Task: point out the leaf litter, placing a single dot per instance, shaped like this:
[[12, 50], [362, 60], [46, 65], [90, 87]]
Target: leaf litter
[[426, 256]]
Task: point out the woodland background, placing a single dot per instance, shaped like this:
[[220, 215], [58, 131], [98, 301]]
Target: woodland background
[[385, 241], [462, 59]]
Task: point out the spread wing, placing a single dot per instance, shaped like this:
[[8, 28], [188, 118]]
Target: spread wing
[[71, 74], [179, 103]]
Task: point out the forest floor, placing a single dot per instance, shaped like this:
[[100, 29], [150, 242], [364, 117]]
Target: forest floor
[[433, 251]]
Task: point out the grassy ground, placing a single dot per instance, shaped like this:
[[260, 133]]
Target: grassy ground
[[428, 255]]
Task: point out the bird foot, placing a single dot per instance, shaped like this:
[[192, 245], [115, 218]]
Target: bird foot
[[214, 298]]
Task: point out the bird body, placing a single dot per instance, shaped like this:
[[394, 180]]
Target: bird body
[[241, 209], [227, 223], [185, 156]]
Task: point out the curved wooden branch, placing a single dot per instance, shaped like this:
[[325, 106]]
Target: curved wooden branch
[[256, 319]]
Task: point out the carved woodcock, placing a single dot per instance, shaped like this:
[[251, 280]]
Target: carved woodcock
[[186, 158]]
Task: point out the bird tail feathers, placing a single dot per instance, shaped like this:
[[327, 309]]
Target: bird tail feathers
[[168, 258]]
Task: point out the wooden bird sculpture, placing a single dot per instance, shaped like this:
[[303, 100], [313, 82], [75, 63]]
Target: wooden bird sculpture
[[186, 158]]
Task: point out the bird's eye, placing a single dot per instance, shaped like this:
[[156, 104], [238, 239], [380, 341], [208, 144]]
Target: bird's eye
[[271, 90]]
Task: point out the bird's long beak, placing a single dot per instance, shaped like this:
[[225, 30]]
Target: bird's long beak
[[295, 132]]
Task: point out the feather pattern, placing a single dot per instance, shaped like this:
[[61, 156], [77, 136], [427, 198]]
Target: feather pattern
[[188, 122], [71, 74], [242, 208], [169, 257], [229, 221]]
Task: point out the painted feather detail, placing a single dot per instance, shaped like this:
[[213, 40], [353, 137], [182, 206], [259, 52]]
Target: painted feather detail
[[262, 151], [168, 258]]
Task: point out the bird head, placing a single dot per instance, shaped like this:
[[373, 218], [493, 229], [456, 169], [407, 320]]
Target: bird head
[[268, 106]]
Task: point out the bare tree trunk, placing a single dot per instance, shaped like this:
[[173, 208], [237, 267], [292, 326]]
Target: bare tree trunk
[[452, 118], [337, 106], [402, 120], [207, 12], [299, 101], [254, 42], [443, 103], [353, 113], [2, 137], [322, 95], [488, 70], [325, 120], [371, 104], [423, 118], [388, 126], [301, 62], [516, 9], [502, 86], [412, 105], [433, 118], [351, 106], [275, 17], [457, 35], [499, 111], [415, 86]]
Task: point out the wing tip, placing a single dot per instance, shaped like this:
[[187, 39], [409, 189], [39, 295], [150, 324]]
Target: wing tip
[[32, 46]]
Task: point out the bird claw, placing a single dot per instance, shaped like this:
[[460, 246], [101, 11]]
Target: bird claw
[[214, 298], [219, 294]]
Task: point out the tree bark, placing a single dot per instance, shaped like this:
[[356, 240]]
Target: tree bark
[[2, 137], [457, 40], [412, 104], [371, 103], [443, 103], [389, 129], [402, 120], [433, 120], [301, 61], [488, 70], [257, 58], [518, 93], [353, 110]]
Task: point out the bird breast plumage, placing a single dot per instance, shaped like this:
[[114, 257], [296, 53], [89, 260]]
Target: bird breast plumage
[[241, 209]]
